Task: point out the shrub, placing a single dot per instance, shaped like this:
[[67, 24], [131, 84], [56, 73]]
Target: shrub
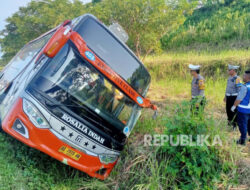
[[193, 167]]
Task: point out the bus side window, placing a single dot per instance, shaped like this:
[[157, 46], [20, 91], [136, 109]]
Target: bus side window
[[23, 58], [1, 75]]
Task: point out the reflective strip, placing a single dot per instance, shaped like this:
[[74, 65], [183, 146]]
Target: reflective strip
[[198, 96], [245, 107], [235, 94]]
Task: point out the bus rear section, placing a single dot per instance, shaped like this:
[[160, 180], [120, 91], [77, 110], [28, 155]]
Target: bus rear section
[[78, 98]]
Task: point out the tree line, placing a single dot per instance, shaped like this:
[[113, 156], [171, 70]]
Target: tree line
[[146, 21], [152, 25]]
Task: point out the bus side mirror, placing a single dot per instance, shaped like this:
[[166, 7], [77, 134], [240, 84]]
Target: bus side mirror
[[155, 114], [58, 40], [66, 22]]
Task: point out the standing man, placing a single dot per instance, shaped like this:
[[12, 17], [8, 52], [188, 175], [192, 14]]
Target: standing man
[[197, 89], [243, 103], [232, 90]]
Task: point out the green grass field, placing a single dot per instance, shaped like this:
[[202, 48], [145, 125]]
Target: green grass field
[[140, 167], [171, 77]]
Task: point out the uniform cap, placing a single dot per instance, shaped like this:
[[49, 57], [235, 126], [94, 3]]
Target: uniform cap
[[234, 67], [194, 67]]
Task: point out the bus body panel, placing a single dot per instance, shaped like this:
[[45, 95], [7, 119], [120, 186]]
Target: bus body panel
[[47, 142]]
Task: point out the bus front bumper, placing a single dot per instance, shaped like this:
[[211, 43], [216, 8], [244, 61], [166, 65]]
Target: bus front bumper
[[45, 141]]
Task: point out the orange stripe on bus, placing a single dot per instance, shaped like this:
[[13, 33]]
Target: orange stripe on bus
[[109, 73]]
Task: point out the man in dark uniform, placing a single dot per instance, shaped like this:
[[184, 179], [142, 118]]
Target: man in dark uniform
[[232, 90]]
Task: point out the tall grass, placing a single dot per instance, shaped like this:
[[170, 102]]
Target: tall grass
[[173, 64], [214, 25], [177, 89], [177, 167], [171, 77], [143, 167]]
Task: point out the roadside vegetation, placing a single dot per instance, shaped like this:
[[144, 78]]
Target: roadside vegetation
[[140, 167], [213, 36], [218, 25], [143, 167]]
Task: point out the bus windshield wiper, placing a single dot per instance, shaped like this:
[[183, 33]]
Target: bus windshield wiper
[[88, 110]]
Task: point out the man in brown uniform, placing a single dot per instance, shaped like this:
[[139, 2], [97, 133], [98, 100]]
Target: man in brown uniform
[[197, 89]]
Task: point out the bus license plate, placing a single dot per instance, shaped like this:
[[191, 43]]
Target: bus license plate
[[69, 152]]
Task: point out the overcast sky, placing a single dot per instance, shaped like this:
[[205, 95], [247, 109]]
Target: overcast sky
[[11, 6]]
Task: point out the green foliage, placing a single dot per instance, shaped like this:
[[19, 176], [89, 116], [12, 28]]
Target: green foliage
[[30, 22], [22, 167], [214, 24], [213, 64], [146, 21], [176, 167], [193, 167], [96, 1], [151, 24]]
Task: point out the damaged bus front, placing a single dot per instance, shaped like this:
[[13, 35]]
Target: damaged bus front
[[75, 93]]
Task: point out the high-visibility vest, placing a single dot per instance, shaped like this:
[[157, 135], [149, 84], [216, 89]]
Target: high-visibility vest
[[244, 106]]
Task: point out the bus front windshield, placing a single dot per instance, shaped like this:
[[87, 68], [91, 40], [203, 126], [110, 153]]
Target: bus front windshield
[[68, 75]]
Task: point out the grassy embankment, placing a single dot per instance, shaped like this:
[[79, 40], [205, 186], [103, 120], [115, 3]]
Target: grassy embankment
[[171, 77], [143, 167]]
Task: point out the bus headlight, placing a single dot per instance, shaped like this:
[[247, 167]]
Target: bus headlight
[[34, 115], [107, 159]]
